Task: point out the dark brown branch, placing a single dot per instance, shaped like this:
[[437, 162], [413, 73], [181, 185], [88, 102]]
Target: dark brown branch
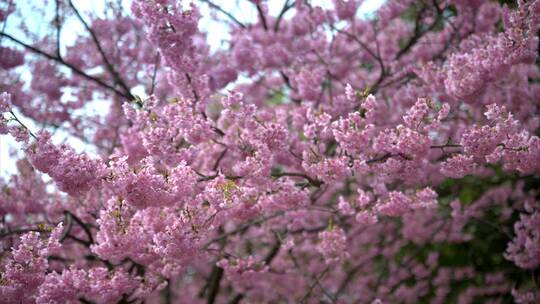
[[273, 252], [370, 52], [236, 299], [78, 240], [380, 159], [446, 146], [221, 10], [348, 278], [418, 32], [243, 227], [154, 74], [287, 6], [314, 182], [167, 293], [287, 82], [85, 301], [267, 260], [68, 65], [137, 268], [58, 25], [213, 282], [21, 231], [262, 17], [312, 286], [220, 157], [190, 82], [69, 225], [218, 131], [14, 116], [93, 257], [108, 64], [213, 285], [83, 226]]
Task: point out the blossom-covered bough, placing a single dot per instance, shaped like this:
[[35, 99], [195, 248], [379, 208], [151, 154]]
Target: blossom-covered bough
[[315, 157]]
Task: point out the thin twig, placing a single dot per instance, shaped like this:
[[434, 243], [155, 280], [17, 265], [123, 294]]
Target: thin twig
[[83, 226], [21, 231], [284, 9], [58, 24], [76, 70], [221, 10], [69, 225], [314, 182], [22, 124], [262, 17], [108, 64], [312, 286]]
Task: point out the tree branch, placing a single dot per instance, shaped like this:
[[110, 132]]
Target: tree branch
[[213, 285], [70, 66], [284, 9], [108, 64], [262, 17], [221, 10]]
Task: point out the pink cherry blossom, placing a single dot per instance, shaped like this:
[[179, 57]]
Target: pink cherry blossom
[[243, 152]]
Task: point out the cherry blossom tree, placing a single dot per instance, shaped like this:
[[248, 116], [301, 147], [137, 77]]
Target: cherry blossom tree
[[315, 156]]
